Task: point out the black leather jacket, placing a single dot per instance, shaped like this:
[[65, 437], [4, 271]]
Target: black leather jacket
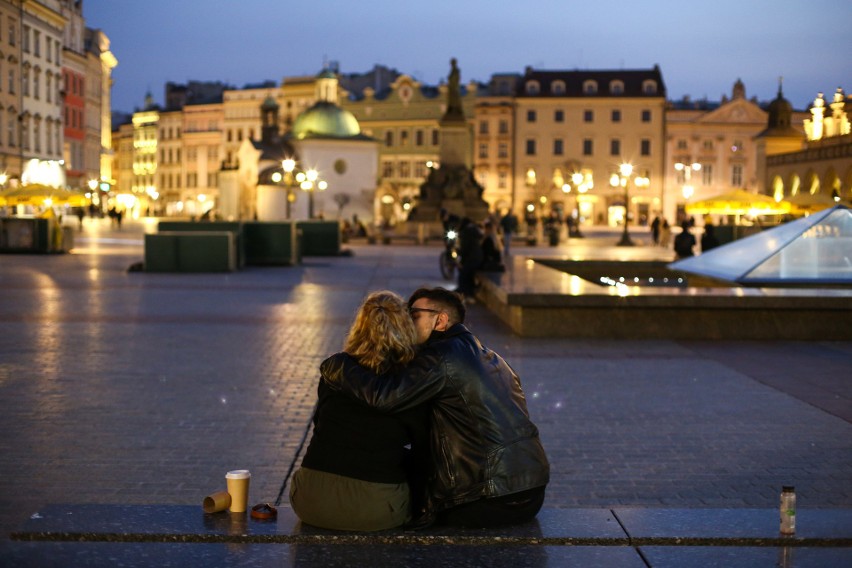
[[482, 439]]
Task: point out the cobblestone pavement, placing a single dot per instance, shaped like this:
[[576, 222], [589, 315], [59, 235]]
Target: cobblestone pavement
[[126, 388]]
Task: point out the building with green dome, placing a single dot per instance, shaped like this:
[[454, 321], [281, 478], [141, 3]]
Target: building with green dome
[[337, 162]]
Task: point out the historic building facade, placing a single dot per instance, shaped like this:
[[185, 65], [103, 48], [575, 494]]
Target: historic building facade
[[712, 148], [573, 129], [41, 121], [404, 117], [10, 104], [823, 163]]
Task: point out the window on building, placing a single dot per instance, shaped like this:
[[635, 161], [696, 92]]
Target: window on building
[[435, 137], [405, 169], [37, 43], [504, 127], [483, 150], [681, 144], [737, 175], [12, 27], [588, 115], [418, 137], [616, 87], [37, 135], [707, 174], [387, 169], [645, 147], [615, 147], [737, 146], [649, 87], [530, 147], [49, 50], [616, 115], [588, 147], [502, 180], [48, 87], [403, 137], [25, 39], [558, 116], [36, 84], [557, 88], [503, 150], [483, 127], [533, 88], [10, 137], [25, 81], [531, 116], [389, 138], [558, 149], [708, 145], [590, 87], [646, 116]]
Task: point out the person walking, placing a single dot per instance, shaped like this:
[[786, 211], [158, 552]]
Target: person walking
[[509, 225], [684, 242]]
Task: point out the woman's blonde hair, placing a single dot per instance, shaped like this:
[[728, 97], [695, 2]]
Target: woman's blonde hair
[[383, 335]]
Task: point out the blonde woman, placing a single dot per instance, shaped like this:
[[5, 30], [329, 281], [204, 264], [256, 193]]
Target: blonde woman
[[355, 474]]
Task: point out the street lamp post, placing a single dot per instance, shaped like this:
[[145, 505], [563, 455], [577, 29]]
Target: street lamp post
[[687, 190], [288, 166], [622, 179], [310, 184]]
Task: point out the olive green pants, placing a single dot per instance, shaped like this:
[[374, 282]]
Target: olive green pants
[[331, 501]]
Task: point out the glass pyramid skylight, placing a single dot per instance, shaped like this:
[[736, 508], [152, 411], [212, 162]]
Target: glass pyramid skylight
[[813, 250]]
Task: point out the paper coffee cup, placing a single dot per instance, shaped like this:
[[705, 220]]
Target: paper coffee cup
[[216, 502], [238, 487]]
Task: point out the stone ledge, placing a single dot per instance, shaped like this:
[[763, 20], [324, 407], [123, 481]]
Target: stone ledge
[[535, 300], [552, 527]]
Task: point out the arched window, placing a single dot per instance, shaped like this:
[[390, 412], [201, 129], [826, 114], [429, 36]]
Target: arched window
[[533, 88], [649, 87], [557, 88], [590, 87], [616, 87]]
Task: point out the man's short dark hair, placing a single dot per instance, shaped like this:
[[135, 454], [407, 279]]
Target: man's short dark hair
[[449, 301]]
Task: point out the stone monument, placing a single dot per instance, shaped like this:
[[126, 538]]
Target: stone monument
[[451, 186]]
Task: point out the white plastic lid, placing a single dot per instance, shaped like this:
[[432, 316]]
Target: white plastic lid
[[238, 474]]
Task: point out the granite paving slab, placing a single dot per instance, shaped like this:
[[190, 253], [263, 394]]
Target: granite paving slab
[[166, 555], [183, 523], [734, 527], [746, 557]]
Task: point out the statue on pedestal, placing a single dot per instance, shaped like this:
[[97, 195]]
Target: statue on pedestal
[[452, 186]]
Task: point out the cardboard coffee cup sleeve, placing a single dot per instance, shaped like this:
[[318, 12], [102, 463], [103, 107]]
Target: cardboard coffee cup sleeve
[[215, 502]]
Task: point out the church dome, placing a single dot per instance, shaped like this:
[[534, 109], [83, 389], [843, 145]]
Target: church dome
[[326, 120], [780, 112]]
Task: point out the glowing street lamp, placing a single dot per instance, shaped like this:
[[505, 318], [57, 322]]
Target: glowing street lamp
[[622, 179], [687, 190], [311, 183]]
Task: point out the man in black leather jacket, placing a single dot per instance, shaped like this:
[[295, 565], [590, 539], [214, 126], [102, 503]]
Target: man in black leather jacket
[[488, 464]]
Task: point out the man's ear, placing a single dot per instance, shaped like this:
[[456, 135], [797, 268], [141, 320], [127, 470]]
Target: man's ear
[[443, 322]]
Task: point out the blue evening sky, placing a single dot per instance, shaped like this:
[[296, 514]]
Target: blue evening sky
[[701, 47]]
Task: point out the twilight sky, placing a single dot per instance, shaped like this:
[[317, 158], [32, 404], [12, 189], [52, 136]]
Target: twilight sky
[[701, 47]]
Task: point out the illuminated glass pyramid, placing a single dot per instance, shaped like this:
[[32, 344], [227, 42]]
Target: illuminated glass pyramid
[[813, 250]]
